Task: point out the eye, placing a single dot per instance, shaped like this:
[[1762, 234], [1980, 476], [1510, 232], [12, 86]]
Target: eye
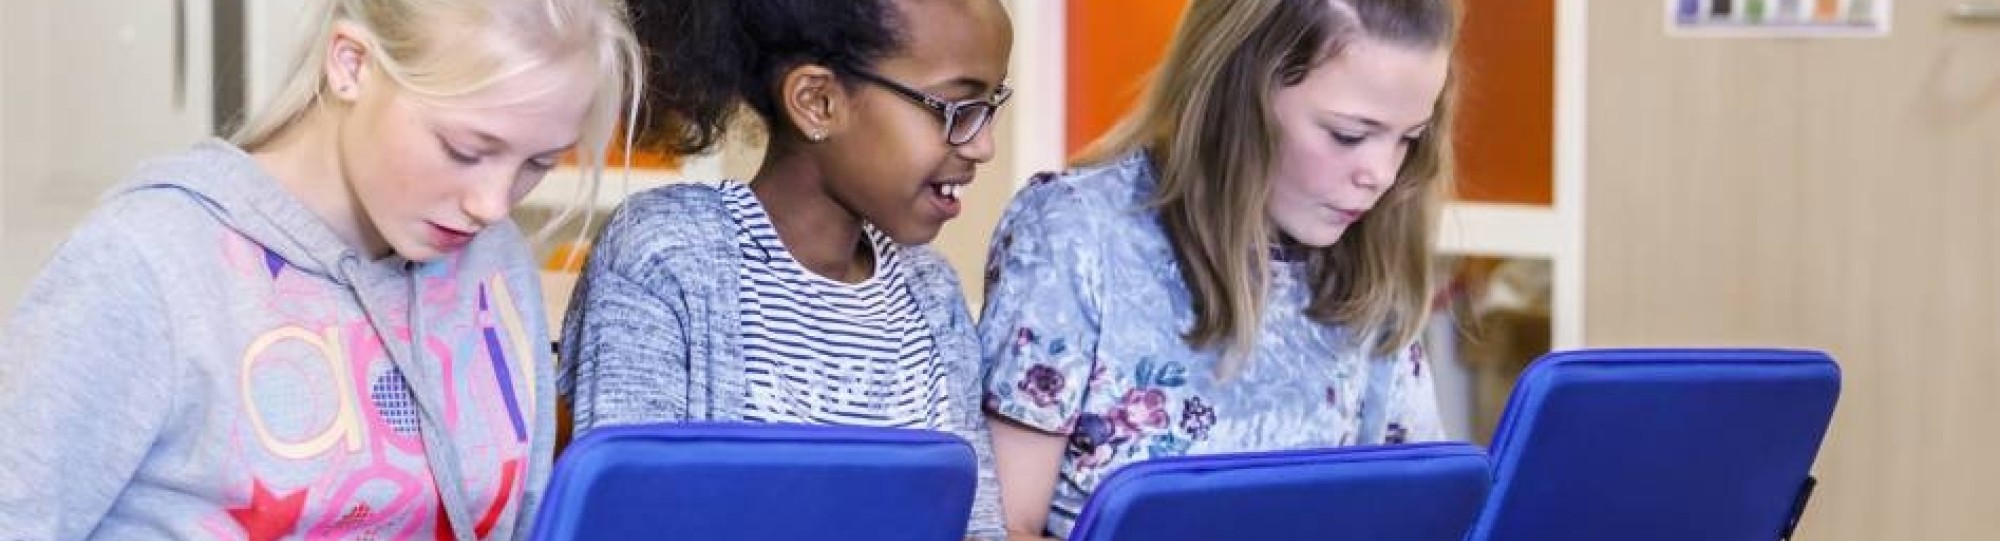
[[1417, 134], [541, 165], [463, 158], [1346, 139]]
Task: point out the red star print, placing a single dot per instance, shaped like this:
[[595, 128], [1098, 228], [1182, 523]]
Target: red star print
[[268, 517]]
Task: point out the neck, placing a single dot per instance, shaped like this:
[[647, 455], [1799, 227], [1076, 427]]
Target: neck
[[822, 235], [305, 158]]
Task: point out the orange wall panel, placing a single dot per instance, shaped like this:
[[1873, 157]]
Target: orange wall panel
[[1506, 102], [1112, 47]]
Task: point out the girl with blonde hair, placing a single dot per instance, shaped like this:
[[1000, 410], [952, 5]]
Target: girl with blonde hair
[[325, 326]]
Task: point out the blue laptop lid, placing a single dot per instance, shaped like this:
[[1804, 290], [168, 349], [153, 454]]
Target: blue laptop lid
[[760, 482], [1665, 444], [1421, 492]]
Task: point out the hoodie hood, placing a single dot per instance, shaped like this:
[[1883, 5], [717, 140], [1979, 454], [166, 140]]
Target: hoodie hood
[[254, 204]]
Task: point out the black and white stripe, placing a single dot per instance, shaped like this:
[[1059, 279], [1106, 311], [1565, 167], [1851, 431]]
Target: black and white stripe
[[825, 352]]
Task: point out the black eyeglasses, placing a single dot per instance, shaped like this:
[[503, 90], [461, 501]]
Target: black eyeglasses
[[962, 119]]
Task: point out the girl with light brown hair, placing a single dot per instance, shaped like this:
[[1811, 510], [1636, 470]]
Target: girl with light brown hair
[[1242, 264]]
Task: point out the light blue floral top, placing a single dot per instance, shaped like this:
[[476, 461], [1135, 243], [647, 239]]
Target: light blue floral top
[[1084, 313]]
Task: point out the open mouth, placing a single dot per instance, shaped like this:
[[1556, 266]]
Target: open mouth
[[948, 191], [1348, 216], [945, 195], [449, 238]]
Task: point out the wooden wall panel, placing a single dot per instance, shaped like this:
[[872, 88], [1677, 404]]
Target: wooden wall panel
[[1833, 194]]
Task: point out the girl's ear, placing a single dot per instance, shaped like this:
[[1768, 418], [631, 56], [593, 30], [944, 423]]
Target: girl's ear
[[347, 62], [814, 101]]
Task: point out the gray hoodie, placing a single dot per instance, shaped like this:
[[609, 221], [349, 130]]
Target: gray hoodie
[[205, 359]]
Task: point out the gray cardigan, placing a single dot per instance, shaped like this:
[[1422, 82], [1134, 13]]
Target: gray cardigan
[[652, 331]]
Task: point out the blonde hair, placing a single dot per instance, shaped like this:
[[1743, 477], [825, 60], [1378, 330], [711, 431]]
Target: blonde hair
[[442, 49], [1206, 121]]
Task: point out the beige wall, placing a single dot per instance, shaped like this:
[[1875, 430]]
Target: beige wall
[[964, 240], [1833, 194]]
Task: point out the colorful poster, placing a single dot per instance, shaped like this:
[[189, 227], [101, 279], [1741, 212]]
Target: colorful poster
[[1778, 18]]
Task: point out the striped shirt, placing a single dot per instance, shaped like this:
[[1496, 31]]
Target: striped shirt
[[821, 351]]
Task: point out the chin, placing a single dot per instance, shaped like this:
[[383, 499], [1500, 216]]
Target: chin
[[912, 235], [1318, 237], [418, 253]]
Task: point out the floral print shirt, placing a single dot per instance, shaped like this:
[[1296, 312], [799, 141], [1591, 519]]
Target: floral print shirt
[[1084, 313]]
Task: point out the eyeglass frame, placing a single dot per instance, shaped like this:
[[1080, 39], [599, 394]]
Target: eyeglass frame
[[949, 109]]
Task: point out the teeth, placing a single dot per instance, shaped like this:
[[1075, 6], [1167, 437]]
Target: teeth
[[950, 190]]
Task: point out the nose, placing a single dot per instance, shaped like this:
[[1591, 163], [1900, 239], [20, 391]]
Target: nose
[[489, 201], [1368, 177], [1379, 166], [980, 149]]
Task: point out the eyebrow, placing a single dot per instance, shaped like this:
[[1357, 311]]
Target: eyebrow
[[978, 87]]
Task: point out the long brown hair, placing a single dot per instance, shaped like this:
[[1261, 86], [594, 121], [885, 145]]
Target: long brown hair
[[1206, 122]]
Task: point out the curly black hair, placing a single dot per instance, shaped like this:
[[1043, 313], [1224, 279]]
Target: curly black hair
[[709, 56]]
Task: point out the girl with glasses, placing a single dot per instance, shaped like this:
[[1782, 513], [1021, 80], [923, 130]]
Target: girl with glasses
[[807, 294], [1243, 264]]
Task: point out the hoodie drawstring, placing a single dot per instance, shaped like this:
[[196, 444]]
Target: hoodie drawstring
[[439, 452]]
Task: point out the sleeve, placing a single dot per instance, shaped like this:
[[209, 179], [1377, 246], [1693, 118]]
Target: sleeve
[[933, 280], [624, 350], [985, 524], [87, 381], [1409, 398], [1040, 325]]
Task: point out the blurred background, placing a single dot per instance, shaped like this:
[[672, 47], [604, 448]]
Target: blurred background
[[1808, 173]]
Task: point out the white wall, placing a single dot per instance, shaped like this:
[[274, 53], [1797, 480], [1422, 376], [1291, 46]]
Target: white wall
[[5, 66], [24, 30], [91, 91], [275, 31]]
